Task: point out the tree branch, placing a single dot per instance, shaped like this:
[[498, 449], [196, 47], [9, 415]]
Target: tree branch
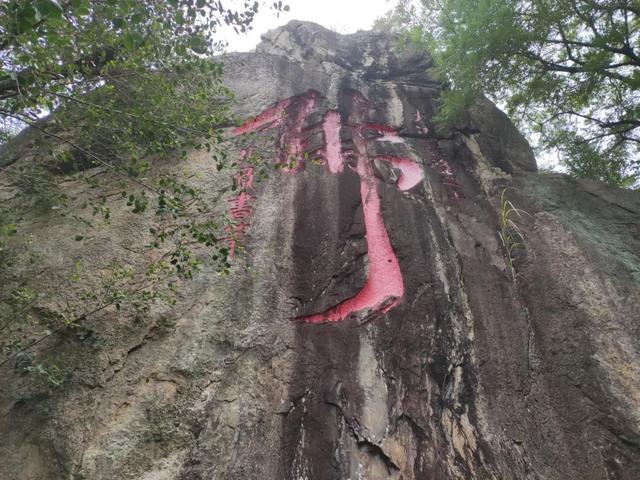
[[75, 321], [89, 65], [120, 112], [550, 66], [627, 51], [86, 152]]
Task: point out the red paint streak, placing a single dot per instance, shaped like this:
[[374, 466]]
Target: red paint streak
[[289, 116], [410, 172], [292, 143], [419, 125], [333, 154], [245, 177], [272, 115], [381, 128], [389, 134], [384, 287], [448, 178], [240, 206]]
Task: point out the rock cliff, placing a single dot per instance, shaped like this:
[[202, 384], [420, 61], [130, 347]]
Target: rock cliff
[[376, 327]]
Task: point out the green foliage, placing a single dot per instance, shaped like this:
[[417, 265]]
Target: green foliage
[[20, 302], [51, 52], [125, 289], [567, 71], [510, 234], [36, 183], [52, 375], [404, 17], [122, 289], [6, 230]]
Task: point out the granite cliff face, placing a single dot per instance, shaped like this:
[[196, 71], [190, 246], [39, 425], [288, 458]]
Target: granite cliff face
[[375, 328]]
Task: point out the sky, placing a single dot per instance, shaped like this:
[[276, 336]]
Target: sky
[[343, 16]]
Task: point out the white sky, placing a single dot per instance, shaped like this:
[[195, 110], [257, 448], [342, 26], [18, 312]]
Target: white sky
[[344, 16]]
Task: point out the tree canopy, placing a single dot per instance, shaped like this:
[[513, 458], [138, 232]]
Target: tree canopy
[[50, 48], [568, 72]]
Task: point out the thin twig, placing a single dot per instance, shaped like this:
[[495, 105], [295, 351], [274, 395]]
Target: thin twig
[[75, 322], [86, 152]]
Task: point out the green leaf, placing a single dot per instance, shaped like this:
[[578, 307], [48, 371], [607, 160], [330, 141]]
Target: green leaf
[[8, 229], [128, 41], [48, 7], [82, 11], [198, 44], [26, 18]]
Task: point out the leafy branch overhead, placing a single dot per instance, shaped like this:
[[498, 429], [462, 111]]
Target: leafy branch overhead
[[47, 44], [567, 70], [127, 81], [137, 63]]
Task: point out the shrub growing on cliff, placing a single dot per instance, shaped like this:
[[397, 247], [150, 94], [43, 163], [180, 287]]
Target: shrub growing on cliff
[[510, 234]]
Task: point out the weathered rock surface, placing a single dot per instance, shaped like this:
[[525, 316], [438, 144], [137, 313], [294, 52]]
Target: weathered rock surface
[[439, 363]]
